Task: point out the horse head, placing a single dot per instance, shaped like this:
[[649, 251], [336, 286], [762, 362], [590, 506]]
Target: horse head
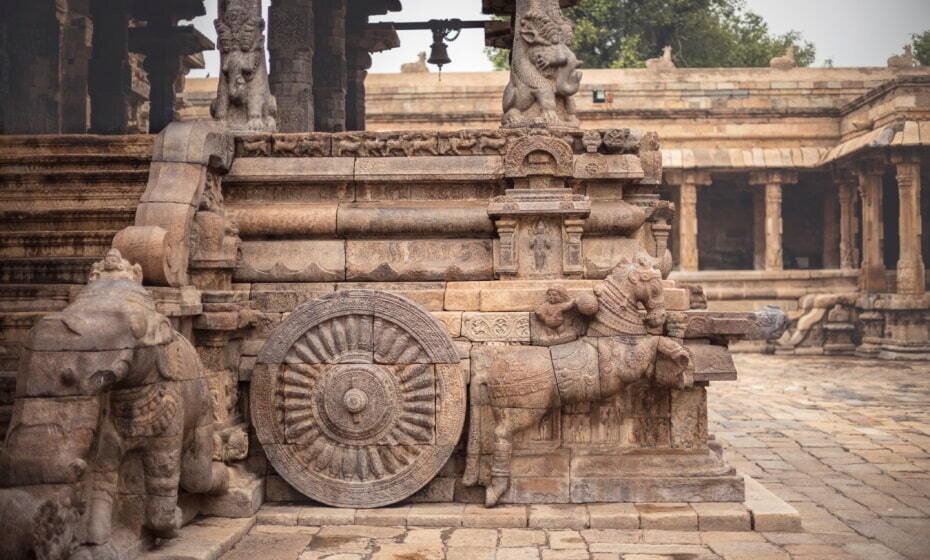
[[642, 283]]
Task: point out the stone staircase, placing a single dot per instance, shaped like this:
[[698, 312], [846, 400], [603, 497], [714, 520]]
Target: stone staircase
[[62, 199]]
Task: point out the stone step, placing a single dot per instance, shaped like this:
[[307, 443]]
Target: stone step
[[46, 270], [55, 243], [24, 147], [724, 516], [69, 163], [43, 184], [769, 512], [41, 219], [204, 539], [32, 298], [761, 511]]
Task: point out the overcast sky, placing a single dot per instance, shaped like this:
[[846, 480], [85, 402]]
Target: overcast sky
[[850, 32]]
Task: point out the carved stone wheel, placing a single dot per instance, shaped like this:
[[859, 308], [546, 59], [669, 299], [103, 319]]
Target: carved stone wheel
[[358, 398]]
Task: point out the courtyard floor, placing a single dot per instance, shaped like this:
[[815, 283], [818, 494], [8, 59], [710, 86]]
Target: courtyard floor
[[845, 441]]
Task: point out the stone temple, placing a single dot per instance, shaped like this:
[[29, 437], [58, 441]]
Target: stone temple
[[496, 303]]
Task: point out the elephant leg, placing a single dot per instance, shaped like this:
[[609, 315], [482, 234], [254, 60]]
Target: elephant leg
[[161, 464], [103, 479], [477, 395], [200, 474]]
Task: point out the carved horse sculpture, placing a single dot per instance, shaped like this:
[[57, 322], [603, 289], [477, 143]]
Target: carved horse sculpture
[[521, 384], [106, 377]]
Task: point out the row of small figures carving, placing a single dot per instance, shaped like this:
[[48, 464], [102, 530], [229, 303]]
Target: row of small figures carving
[[435, 143]]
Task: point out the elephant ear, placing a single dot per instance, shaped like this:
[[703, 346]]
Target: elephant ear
[[151, 329]]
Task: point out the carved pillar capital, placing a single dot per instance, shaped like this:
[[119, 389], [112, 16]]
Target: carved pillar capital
[[773, 177], [872, 165], [687, 176]]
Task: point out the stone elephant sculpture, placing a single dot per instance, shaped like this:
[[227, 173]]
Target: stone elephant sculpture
[[522, 383], [106, 377], [544, 71]]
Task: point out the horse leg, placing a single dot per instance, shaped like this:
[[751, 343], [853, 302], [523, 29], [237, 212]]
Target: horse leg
[[640, 360], [161, 464], [681, 376], [503, 451], [478, 397]]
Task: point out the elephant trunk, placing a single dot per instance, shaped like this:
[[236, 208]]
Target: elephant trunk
[[49, 441]]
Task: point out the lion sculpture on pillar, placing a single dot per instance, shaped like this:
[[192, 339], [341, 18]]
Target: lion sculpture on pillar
[[544, 71]]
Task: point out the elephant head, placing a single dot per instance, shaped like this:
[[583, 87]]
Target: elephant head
[[110, 335]]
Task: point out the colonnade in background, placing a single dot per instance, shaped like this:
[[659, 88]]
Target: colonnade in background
[[859, 182]]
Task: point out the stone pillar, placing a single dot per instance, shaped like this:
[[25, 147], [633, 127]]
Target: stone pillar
[[329, 65], [162, 66], [688, 182], [689, 227], [44, 52], [773, 180], [831, 230], [758, 229], [774, 255], [849, 253], [872, 275], [110, 74], [76, 44], [359, 61], [291, 46], [911, 271]]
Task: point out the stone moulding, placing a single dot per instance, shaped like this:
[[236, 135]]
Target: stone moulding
[[469, 142]]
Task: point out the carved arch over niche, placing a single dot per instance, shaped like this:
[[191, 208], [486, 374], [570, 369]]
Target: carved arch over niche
[[515, 159]]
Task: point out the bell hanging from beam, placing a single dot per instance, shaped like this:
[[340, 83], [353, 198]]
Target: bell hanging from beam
[[439, 54]]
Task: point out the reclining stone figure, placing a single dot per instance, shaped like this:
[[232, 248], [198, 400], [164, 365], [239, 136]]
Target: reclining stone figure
[[522, 383]]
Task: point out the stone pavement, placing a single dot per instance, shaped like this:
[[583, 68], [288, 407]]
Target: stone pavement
[[845, 441]]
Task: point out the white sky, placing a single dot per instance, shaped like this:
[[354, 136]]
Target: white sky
[[851, 32]]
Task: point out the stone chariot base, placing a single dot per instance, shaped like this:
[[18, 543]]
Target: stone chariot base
[[759, 510], [210, 537], [641, 476]]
